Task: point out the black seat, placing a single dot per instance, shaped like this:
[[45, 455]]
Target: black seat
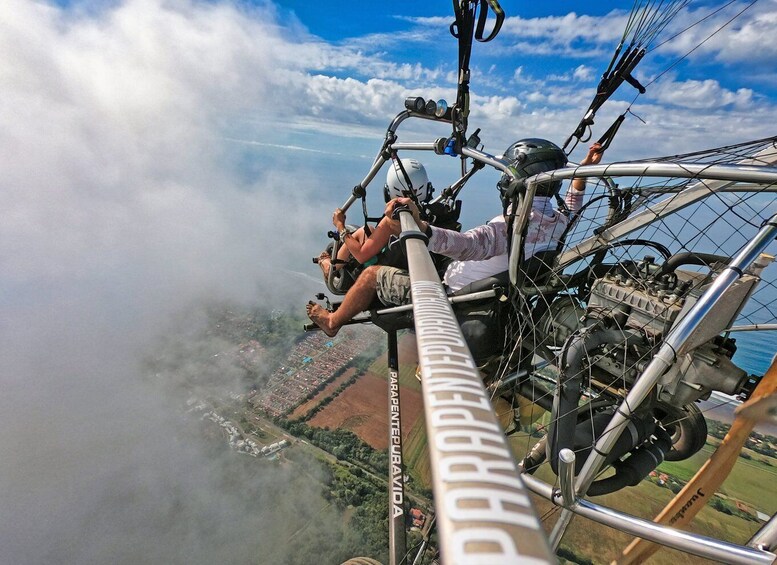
[[499, 280], [482, 321], [479, 319]]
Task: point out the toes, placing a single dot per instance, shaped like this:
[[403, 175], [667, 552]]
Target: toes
[[318, 316]]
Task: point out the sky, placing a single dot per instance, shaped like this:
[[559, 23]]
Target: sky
[[157, 153]]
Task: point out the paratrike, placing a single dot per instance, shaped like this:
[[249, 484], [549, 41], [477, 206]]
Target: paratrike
[[603, 356]]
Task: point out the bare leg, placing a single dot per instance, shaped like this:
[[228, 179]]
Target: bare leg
[[357, 299]]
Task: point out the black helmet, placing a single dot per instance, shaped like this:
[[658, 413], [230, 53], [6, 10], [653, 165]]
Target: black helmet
[[532, 156]]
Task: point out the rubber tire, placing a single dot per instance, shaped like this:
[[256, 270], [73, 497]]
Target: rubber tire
[[686, 426]]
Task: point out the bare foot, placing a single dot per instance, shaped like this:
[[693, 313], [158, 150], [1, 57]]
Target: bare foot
[[325, 262], [320, 317]]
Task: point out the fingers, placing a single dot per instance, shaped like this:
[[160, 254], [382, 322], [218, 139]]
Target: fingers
[[338, 219], [595, 153], [401, 201]]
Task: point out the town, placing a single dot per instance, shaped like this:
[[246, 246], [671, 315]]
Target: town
[[312, 362]]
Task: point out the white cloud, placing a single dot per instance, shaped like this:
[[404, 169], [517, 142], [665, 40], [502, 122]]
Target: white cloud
[[125, 194], [123, 203], [108, 139], [407, 72], [571, 34], [582, 73], [496, 108], [694, 94], [748, 39]]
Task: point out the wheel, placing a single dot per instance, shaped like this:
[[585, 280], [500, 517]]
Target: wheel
[[686, 426]]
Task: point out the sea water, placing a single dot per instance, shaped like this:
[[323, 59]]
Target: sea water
[[755, 350]]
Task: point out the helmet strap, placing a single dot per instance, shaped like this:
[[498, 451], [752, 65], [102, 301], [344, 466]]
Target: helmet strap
[[410, 191], [367, 219], [401, 167]]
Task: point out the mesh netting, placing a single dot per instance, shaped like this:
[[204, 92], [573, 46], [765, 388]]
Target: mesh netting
[[636, 258]]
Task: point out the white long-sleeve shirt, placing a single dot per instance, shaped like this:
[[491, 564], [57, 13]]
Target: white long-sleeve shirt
[[482, 251]]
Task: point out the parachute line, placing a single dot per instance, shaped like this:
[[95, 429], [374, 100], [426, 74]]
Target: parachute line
[[705, 40]]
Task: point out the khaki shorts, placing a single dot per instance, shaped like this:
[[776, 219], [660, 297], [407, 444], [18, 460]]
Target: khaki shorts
[[393, 286]]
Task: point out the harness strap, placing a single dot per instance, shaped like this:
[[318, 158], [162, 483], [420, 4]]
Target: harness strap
[[500, 17], [608, 136]]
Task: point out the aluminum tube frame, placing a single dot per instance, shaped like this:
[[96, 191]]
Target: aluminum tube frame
[[496, 162], [765, 539], [376, 166], [566, 475], [695, 544], [380, 161], [732, 173], [752, 328], [403, 115], [398, 119], [673, 346], [415, 146], [721, 177], [516, 256], [748, 187], [452, 299], [484, 511], [420, 554], [390, 133]]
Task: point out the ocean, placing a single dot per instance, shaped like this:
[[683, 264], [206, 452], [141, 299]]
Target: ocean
[[755, 350]]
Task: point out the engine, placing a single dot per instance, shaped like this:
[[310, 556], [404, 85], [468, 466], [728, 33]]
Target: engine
[[644, 302], [606, 336]]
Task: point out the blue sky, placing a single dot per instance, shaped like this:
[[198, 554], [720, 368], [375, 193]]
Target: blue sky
[[541, 71], [139, 130], [535, 79], [117, 112]]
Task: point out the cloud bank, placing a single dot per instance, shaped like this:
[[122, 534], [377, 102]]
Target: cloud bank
[[123, 203]]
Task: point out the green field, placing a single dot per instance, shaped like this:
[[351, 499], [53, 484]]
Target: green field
[[751, 481], [416, 455], [406, 369]]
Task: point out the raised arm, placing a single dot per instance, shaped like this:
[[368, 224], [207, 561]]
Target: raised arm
[[364, 248], [477, 244], [576, 191]]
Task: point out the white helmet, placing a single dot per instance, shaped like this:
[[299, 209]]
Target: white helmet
[[397, 181]]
